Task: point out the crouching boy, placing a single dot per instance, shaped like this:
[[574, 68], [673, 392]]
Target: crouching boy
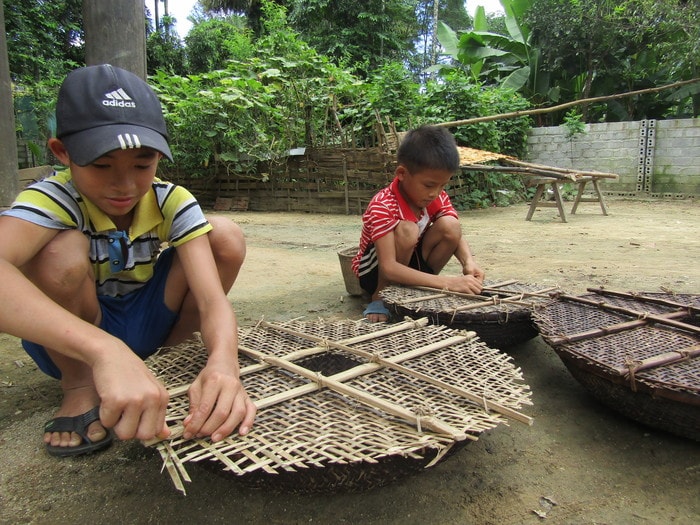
[[410, 229], [89, 290]]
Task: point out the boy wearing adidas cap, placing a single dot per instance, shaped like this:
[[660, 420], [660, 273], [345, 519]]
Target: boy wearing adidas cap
[[91, 293]]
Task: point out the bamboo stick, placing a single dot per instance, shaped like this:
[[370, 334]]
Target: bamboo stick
[[318, 380], [540, 172], [645, 299], [667, 319], [553, 169], [666, 358], [393, 363], [608, 330], [566, 105], [307, 352]]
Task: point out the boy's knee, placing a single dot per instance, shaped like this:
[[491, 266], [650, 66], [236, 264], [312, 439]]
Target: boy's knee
[[63, 264], [227, 241], [406, 234], [449, 227]]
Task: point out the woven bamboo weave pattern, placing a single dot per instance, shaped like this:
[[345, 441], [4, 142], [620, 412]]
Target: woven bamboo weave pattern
[[348, 392], [500, 315], [637, 352]]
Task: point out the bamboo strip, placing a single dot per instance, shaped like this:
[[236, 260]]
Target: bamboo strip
[[370, 400], [392, 329], [645, 299], [607, 330], [393, 363], [336, 378], [666, 319], [516, 298], [666, 358], [522, 170]]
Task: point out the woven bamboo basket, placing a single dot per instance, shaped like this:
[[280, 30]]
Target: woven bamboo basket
[[352, 282], [345, 405], [500, 315], [638, 353]]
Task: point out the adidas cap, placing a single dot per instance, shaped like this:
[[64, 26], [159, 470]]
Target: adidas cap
[[104, 108]]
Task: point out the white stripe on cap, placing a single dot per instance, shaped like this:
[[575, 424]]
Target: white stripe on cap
[[129, 141]]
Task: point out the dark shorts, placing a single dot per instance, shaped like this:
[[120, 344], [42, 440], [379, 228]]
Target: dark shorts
[[369, 279], [140, 319]]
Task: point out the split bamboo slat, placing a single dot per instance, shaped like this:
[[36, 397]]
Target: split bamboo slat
[[344, 403]]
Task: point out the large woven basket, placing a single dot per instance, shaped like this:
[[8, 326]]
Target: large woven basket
[[500, 315], [638, 353], [345, 404]]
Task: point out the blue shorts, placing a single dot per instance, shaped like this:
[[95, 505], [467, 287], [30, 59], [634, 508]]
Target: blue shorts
[[140, 319]]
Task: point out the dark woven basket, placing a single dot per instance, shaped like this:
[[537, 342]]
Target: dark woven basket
[[639, 354], [501, 316]]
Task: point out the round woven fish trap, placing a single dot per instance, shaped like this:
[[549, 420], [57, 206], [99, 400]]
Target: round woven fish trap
[[500, 315], [638, 353], [345, 404]]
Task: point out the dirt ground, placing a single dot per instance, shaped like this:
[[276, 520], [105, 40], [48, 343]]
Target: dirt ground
[[580, 463]]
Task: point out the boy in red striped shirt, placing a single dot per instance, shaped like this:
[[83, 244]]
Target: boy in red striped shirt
[[410, 230]]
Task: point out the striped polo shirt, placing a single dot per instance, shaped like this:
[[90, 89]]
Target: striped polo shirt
[[122, 261], [383, 214]]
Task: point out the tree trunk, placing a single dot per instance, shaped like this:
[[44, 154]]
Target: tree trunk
[[8, 139], [115, 33]]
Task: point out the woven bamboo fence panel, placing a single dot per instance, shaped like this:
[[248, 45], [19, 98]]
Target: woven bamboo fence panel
[[321, 180], [345, 394]]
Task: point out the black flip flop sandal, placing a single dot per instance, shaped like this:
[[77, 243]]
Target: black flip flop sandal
[[79, 425]]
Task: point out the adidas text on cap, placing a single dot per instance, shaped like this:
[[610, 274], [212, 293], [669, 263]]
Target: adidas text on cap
[[104, 108]]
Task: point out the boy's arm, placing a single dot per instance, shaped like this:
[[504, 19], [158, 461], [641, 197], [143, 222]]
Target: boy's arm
[[469, 264], [132, 400], [218, 401]]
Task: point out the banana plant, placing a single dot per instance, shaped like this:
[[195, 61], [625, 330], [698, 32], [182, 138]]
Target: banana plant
[[507, 60]]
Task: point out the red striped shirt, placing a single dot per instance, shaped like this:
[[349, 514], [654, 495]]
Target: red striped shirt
[[387, 208]]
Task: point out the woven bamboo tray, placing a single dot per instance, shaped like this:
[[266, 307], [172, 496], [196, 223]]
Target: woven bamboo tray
[[500, 315], [638, 353], [345, 404]]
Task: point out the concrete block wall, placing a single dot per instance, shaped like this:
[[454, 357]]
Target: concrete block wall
[[652, 157]]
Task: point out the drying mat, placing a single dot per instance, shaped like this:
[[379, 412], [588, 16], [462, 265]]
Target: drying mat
[[500, 315], [345, 404], [638, 353]]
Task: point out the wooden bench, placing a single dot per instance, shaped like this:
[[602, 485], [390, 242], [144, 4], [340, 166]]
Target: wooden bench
[[540, 198]]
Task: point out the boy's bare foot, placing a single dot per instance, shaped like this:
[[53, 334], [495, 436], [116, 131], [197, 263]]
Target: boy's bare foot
[[66, 440]]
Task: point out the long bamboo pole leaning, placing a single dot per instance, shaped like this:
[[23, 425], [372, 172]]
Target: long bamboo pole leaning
[[566, 105]]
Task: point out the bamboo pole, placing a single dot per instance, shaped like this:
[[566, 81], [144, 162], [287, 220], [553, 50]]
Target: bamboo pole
[[566, 105], [393, 363], [642, 319], [645, 299]]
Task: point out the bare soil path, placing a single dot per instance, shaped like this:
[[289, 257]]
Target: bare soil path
[[580, 463]]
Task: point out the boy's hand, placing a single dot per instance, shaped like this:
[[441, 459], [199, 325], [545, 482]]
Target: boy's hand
[[133, 402], [463, 284], [218, 404]]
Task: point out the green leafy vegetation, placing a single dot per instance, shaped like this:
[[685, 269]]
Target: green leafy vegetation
[[254, 79]]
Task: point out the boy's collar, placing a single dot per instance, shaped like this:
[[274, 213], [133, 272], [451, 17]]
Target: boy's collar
[[406, 211], [147, 215]]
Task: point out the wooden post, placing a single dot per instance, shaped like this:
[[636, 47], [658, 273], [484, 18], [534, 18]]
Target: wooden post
[[115, 33], [8, 139]]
